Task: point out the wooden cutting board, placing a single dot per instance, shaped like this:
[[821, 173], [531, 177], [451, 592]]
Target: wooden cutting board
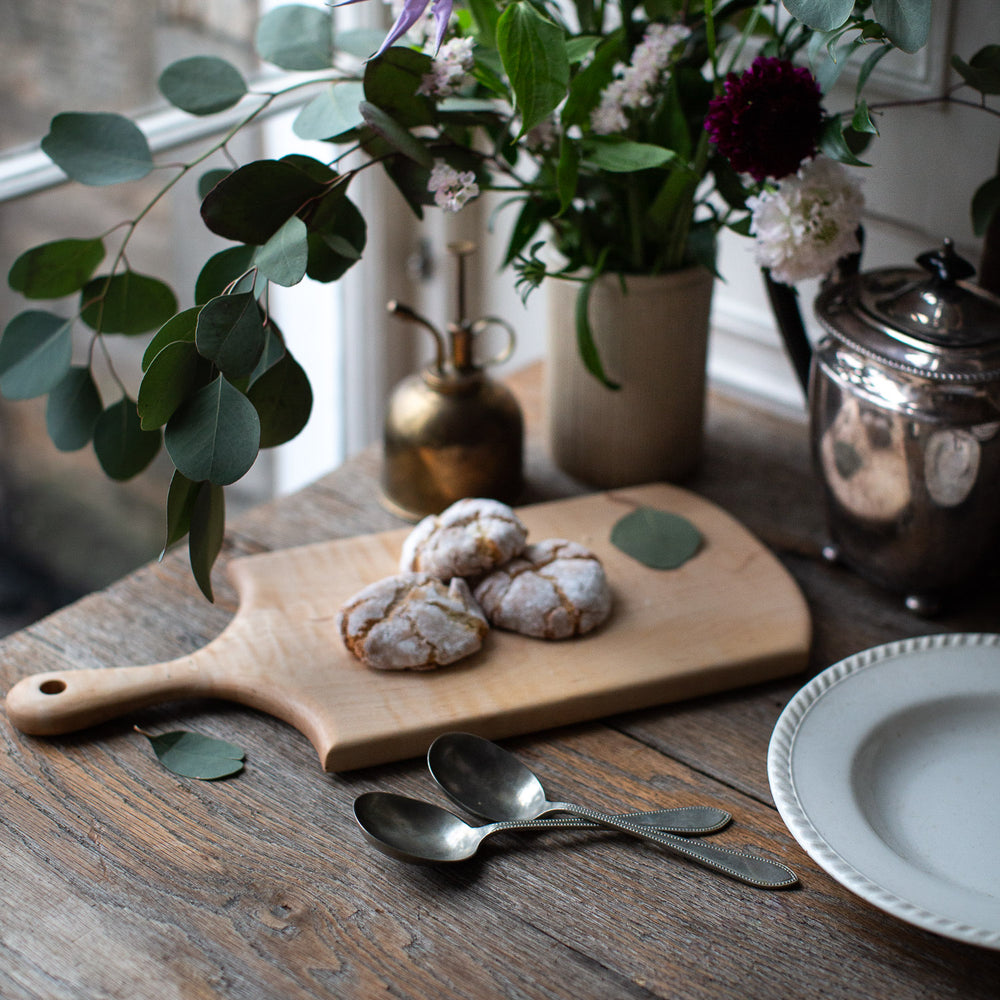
[[730, 616]]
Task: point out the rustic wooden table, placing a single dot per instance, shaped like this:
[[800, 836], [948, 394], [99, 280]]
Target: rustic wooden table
[[119, 879]]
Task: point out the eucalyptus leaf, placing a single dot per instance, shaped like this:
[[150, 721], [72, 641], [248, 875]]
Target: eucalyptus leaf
[[337, 237], [176, 372], [36, 351], [128, 303], [222, 270], [210, 178], [72, 410], [534, 57], [656, 538], [230, 333], [214, 435], [122, 447], [322, 173], [206, 533], [98, 148], [398, 137], [193, 755], [178, 328], [252, 203], [362, 43], [55, 269], [906, 22], [202, 85], [294, 36], [274, 351], [283, 258], [332, 112], [392, 83], [282, 397], [821, 15], [181, 495]]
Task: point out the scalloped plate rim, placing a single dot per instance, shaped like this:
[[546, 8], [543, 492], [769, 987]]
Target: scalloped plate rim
[[832, 851]]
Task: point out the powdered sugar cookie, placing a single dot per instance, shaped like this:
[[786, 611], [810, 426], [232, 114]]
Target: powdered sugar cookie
[[412, 621], [471, 537], [555, 589]]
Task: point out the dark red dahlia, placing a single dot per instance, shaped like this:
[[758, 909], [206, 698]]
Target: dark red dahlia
[[767, 121]]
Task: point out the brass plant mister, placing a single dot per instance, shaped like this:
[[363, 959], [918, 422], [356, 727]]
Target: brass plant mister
[[451, 431]]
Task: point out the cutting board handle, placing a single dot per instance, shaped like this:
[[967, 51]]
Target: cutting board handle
[[63, 701]]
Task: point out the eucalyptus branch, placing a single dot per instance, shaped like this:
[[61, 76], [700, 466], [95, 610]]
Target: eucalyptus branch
[[947, 98]]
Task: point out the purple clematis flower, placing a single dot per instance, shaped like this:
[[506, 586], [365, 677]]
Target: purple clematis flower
[[412, 11]]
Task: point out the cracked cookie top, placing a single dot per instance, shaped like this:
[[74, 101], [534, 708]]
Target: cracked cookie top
[[468, 539], [554, 590], [412, 621]]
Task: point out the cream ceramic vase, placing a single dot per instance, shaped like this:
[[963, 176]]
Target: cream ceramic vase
[[652, 337]]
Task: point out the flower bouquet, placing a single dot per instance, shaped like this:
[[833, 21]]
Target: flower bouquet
[[623, 134]]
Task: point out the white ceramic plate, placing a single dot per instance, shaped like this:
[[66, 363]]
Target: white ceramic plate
[[886, 769]]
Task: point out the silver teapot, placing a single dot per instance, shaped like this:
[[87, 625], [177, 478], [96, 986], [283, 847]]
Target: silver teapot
[[904, 400], [904, 395]]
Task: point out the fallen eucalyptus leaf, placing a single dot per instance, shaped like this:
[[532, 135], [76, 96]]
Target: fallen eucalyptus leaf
[[192, 755], [656, 538]]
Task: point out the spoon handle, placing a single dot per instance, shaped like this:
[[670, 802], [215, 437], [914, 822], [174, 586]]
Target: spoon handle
[[688, 820], [757, 871]]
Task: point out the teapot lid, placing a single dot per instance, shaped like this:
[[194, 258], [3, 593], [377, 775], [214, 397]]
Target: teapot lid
[[931, 322]]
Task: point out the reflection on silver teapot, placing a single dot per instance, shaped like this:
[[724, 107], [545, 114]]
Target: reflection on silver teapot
[[904, 394]]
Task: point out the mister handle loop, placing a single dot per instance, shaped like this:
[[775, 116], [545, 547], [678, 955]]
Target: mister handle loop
[[482, 325]]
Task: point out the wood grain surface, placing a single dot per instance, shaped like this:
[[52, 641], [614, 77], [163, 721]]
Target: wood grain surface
[[731, 615], [122, 881]]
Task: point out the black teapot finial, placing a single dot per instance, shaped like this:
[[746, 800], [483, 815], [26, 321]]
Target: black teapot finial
[[946, 265]]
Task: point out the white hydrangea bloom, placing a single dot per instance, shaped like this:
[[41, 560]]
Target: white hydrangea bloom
[[451, 189], [635, 86], [450, 69], [808, 222]]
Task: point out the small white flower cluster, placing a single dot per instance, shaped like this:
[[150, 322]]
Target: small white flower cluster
[[450, 70], [635, 86], [805, 225], [451, 189]]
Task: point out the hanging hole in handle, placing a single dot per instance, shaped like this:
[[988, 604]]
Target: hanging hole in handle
[[52, 686], [480, 326]]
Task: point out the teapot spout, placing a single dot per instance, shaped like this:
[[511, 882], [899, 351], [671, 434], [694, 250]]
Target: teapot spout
[[784, 301]]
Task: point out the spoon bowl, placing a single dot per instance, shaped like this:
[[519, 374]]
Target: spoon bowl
[[492, 783], [411, 830]]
